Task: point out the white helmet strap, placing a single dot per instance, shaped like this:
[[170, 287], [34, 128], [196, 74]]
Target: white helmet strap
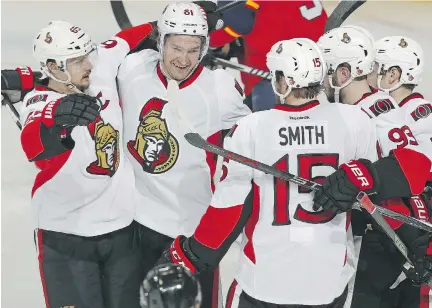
[[67, 82]]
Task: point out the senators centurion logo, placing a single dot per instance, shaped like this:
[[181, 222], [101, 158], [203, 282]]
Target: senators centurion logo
[[154, 147], [107, 149]]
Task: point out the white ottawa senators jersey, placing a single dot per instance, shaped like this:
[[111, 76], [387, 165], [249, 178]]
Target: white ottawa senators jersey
[[418, 113], [293, 254], [174, 179], [392, 129], [88, 190]]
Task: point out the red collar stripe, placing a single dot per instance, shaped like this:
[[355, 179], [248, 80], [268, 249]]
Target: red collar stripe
[[187, 82], [410, 97], [292, 108]]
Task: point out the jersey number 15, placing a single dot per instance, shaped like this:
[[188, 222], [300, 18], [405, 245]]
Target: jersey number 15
[[305, 164]]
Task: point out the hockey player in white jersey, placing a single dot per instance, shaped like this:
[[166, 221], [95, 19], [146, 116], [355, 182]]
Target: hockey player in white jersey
[[290, 247], [83, 194], [401, 63], [350, 53], [174, 179]]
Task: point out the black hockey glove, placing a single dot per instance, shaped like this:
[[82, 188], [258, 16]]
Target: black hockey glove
[[76, 109], [417, 243], [180, 253], [340, 189], [214, 19]]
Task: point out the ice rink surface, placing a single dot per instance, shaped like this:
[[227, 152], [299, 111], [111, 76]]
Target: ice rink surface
[[20, 22]]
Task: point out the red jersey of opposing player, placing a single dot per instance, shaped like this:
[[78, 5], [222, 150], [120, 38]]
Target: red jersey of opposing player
[[263, 23]]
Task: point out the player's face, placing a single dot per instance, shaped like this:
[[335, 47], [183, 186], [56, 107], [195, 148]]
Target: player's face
[[79, 69], [181, 55]]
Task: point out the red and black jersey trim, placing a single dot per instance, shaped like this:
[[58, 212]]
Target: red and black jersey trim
[[187, 82], [292, 108], [373, 91], [410, 97]]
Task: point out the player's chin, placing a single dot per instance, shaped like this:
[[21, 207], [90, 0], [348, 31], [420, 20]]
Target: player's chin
[[180, 74]]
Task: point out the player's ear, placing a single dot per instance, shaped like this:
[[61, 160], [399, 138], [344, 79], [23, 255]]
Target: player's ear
[[394, 75], [52, 66], [342, 75]]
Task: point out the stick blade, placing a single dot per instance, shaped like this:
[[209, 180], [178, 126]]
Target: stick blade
[[196, 140]]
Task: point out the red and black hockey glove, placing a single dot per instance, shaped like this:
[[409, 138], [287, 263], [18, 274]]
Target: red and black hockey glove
[[76, 109], [180, 253], [15, 84], [340, 189]]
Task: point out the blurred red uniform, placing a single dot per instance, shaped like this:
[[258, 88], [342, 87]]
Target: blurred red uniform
[[263, 23]]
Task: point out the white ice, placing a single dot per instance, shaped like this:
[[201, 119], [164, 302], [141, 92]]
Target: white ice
[[20, 21]]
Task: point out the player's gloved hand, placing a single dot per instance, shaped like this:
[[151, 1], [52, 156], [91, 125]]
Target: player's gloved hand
[[214, 19], [75, 109], [340, 189], [421, 206], [422, 270], [15, 84], [180, 252]]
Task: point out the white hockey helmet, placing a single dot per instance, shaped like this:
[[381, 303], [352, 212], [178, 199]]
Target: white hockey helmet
[[403, 52], [301, 62], [348, 44], [60, 41], [183, 19]]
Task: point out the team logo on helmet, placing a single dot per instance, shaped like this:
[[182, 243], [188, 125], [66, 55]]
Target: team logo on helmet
[[107, 149], [48, 38], [403, 43], [279, 49], [346, 38], [154, 147]]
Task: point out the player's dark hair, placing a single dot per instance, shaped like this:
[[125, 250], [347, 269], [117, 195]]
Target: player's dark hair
[[307, 92]]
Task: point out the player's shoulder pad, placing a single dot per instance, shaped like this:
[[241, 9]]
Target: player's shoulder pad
[[224, 81], [137, 61]]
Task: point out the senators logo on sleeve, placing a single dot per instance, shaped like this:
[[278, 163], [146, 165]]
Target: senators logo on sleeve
[[381, 106], [422, 111], [107, 148], [154, 147]]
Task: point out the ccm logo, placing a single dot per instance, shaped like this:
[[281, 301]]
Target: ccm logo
[[420, 207], [358, 174], [49, 110]]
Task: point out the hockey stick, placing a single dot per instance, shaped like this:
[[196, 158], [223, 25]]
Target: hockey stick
[[123, 20], [372, 209], [197, 141], [342, 11], [12, 110]]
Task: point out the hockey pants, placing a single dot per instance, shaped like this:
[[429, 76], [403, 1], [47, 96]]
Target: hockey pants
[[90, 272], [153, 244], [237, 298]]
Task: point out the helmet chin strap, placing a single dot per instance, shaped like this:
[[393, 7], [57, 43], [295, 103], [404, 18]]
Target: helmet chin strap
[[338, 88], [67, 82], [395, 87], [280, 95]]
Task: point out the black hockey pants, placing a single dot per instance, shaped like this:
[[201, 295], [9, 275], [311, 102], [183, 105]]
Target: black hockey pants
[[90, 272]]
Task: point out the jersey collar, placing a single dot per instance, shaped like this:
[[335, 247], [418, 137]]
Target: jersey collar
[[187, 82], [373, 91], [410, 97], [291, 108]]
